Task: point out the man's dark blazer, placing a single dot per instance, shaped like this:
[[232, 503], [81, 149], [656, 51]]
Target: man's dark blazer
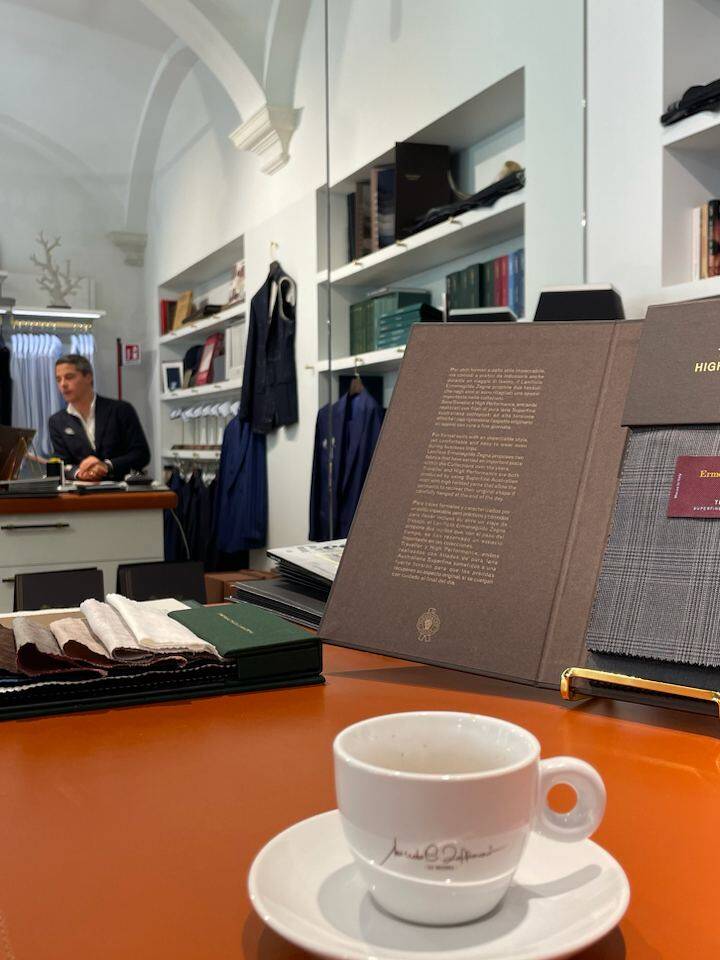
[[119, 437], [356, 423], [269, 389]]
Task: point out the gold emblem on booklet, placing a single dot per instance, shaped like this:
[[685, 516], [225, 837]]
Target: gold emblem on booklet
[[428, 625]]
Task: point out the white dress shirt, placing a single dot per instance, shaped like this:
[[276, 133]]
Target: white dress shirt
[[88, 424]]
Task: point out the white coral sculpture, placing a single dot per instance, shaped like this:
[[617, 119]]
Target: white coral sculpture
[[58, 282]]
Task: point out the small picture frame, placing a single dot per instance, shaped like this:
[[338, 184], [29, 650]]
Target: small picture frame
[[172, 376]]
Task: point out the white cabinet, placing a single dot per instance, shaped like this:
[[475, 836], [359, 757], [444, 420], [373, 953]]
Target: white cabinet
[[35, 542]]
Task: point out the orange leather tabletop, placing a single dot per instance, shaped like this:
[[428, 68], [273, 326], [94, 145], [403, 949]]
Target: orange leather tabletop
[[129, 833], [90, 502]]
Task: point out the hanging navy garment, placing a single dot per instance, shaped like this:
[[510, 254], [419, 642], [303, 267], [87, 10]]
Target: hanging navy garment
[[174, 544], [241, 503], [198, 519], [269, 389], [356, 423]]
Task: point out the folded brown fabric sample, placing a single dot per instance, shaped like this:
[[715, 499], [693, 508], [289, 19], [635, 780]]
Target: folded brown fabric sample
[[38, 651], [77, 642], [658, 594], [8, 658]]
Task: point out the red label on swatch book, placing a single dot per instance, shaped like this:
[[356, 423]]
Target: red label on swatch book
[[696, 488]]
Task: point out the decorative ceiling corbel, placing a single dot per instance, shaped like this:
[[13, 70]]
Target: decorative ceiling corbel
[[132, 245], [267, 133]]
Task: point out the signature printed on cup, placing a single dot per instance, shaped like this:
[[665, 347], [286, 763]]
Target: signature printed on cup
[[440, 856]]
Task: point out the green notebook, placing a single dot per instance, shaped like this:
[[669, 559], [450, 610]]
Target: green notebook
[[235, 629]]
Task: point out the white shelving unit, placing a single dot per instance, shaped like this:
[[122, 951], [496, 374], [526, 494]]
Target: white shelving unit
[[209, 278], [468, 232], [199, 393], [700, 133], [482, 133], [375, 362], [205, 456], [199, 329]]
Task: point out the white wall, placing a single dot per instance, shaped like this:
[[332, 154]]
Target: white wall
[[624, 167], [396, 66]]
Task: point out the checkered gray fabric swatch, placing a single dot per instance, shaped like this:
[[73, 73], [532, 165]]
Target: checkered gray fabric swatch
[[658, 593]]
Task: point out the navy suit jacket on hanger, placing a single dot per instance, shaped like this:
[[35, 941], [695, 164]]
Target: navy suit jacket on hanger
[[241, 504], [356, 423], [269, 389]]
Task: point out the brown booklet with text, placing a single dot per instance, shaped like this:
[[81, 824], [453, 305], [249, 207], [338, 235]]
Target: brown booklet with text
[[482, 524]]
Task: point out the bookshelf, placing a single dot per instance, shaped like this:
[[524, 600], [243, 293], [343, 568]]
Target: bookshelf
[[209, 277], [483, 133], [204, 392], [445, 242], [375, 362], [199, 329]]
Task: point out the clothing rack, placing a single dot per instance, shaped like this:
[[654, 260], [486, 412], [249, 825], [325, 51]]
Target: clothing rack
[[15, 323]]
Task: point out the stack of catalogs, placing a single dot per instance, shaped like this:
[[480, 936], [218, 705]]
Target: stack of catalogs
[[300, 592]]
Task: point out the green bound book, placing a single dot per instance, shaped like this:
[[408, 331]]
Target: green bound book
[[357, 327], [488, 283], [473, 285], [370, 326], [264, 644]]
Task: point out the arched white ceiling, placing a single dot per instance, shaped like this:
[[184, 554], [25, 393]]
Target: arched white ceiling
[[199, 33], [171, 71], [258, 77], [69, 164]]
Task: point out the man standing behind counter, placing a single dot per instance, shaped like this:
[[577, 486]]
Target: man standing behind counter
[[97, 438]]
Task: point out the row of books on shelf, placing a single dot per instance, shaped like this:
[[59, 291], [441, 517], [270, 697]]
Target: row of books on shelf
[[389, 205], [175, 314], [706, 240], [384, 318], [494, 283]]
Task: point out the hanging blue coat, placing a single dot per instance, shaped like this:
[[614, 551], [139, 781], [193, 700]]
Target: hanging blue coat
[[356, 423], [241, 497]]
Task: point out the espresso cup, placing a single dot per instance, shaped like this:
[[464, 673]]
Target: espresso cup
[[437, 807]]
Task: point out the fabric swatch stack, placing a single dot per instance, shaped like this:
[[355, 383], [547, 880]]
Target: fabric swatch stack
[[119, 635]]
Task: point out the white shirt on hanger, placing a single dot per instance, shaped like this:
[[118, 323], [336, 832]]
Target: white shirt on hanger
[[88, 424]]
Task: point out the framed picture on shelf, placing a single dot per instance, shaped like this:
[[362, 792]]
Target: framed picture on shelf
[[237, 284], [172, 376], [183, 309], [210, 351]]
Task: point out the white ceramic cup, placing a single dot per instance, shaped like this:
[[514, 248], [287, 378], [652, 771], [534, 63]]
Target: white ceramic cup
[[437, 807]]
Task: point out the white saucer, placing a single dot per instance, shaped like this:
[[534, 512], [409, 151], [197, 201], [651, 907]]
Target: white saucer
[[564, 897]]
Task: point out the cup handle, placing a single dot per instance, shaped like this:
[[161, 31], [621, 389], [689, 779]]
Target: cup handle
[[585, 816]]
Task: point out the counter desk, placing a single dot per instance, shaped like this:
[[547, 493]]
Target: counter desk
[[79, 530]]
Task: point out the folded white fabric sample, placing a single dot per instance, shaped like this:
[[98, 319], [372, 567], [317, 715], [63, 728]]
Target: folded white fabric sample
[[164, 604], [155, 632], [111, 631]]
